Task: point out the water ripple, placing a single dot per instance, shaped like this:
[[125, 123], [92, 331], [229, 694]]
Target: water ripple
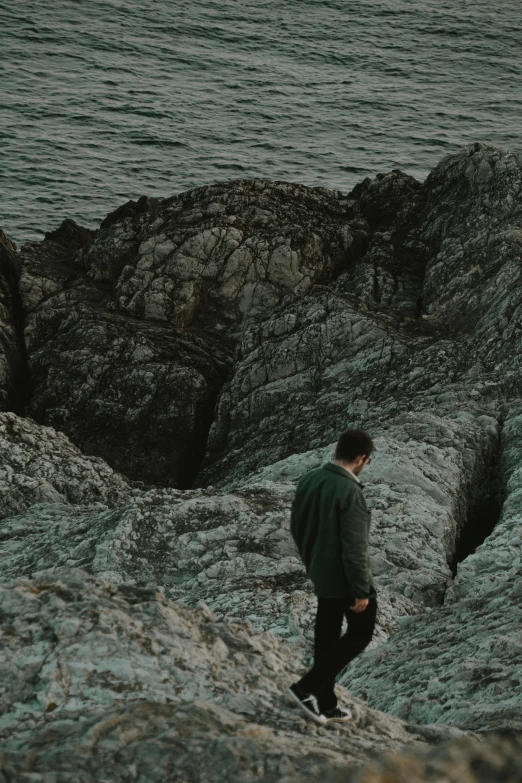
[[108, 100]]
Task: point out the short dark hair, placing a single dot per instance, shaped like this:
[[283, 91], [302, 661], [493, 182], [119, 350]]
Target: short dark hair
[[353, 444]]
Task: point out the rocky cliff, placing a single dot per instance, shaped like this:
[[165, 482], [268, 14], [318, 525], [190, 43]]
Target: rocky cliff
[[165, 381]]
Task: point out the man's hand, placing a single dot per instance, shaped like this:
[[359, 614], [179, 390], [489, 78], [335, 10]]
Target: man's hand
[[360, 604]]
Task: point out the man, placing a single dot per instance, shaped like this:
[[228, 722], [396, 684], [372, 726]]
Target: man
[[330, 525]]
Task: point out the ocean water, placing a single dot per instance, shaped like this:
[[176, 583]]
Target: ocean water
[[106, 100]]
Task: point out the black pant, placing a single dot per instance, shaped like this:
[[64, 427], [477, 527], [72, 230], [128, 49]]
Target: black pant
[[332, 652]]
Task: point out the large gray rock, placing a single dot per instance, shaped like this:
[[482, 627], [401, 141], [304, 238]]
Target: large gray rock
[[302, 312], [346, 354], [325, 363], [104, 682], [135, 392], [231, 549], [40, 465], [471, 232], [131, 333], [461, 664]]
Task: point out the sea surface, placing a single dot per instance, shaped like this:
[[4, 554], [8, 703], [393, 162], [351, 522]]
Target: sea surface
[[105, 100]]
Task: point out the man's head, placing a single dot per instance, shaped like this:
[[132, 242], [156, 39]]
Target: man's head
[[354, 449]]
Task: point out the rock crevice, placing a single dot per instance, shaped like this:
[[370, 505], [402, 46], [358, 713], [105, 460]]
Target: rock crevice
[[15, 380], [484, 506]]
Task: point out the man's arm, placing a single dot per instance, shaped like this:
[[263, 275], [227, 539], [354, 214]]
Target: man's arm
[[353, 528]]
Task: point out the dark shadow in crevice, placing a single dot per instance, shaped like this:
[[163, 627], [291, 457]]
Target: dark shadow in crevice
[[22, 385], [191, 460], [483, 513]]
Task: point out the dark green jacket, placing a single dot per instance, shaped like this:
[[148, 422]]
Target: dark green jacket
[[330, 525]]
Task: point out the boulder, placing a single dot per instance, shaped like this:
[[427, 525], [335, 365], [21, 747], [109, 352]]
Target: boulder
[[131, 333]]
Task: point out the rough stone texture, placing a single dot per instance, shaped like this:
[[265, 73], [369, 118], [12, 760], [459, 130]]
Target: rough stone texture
[[13, 375], [426, 473], [132, 391], [324, 364], [40, 465], [499, 558], [302, 312], [389, 276], [497, 758], [106, 682], [461, 664], [131, 335], [347, 354], [471, 229], [301, 309], [233, 550]]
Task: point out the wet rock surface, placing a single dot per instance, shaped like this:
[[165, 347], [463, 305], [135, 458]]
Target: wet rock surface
[[214, 345]]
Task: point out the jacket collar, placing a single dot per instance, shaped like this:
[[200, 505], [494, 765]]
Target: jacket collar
[[342, 472]]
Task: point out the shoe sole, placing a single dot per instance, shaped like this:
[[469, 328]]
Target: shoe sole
[[320, 719], [339, 720]]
